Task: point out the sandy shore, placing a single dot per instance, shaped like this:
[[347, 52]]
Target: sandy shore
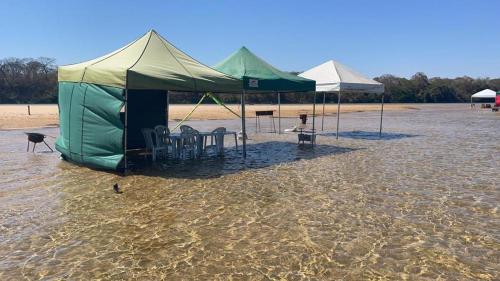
[[16, 116]]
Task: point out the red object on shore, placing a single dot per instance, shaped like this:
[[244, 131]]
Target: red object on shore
[[497, 99]]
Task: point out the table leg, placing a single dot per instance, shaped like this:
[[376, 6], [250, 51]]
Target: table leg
[[175, 148], [179, 148], [199, 146], [223, 136]]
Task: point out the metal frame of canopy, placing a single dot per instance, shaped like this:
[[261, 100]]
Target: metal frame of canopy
[[279, 108], [338, 112], [260, 77], [334, 77], [243, 120], [279, 111]]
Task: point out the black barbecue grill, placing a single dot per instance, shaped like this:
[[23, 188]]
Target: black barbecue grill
[[36, 138]]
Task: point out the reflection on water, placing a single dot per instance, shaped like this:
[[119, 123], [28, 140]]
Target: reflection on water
[[421, 206], [259, 155]]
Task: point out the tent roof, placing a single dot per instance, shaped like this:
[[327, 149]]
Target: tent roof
[[486, 93], [150, 62], [333, 76], [258, 75]]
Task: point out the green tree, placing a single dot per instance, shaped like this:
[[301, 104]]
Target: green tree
[[35, 81]]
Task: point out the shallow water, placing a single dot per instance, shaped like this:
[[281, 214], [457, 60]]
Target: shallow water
[[420, 203]]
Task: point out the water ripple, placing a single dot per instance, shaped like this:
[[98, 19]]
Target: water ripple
[[420, 203]]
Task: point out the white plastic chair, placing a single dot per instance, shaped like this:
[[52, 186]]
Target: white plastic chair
[[189, 143], [186, 129], [162, 136], [217, 134], [198, 140], [156, 150]]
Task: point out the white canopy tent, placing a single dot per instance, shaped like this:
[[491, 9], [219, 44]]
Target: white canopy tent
[[333, 76], [484, 94]]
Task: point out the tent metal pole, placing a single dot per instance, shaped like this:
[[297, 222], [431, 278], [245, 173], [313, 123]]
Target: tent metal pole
[[323, 115], [338, 114], [125, 141], [243, 127], [279, 113], [381, 115], [168, 108], [314, 113]]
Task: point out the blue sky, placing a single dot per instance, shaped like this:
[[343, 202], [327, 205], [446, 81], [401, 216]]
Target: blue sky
[[441, 38]]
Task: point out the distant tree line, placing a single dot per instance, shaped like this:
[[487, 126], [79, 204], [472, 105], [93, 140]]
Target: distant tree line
[[421, 89], [30, 80]]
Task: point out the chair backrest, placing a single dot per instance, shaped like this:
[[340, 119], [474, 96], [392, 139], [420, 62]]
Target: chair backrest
[[220, 130], [148, 139], [219, 136], [162, 133], [189, 137], [186, 128]]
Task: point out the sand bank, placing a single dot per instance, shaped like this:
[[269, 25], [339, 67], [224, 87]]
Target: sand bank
[[16, 116]]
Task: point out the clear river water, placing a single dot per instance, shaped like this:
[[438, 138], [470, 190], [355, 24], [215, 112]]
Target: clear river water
[[420, 203]]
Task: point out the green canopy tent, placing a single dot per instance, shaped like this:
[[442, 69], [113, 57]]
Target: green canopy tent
[[259, 76], [104, 102]]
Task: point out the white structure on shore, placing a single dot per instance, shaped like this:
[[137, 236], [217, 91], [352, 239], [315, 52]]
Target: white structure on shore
[[334, 77], [484, 94]]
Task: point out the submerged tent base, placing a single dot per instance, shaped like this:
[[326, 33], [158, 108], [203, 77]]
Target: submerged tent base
[[119, 170], [92, 119]]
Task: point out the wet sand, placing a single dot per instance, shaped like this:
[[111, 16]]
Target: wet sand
[[420, 203], [16, 116]]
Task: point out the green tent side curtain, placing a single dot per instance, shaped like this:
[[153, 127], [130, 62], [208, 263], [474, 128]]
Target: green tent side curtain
[[91, 131], [260, 76], [92, 95]]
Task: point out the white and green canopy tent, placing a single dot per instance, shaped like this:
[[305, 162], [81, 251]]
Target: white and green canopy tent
[[484, 94], [333, 76], [150, 62], [104, 102], [260, 77]]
